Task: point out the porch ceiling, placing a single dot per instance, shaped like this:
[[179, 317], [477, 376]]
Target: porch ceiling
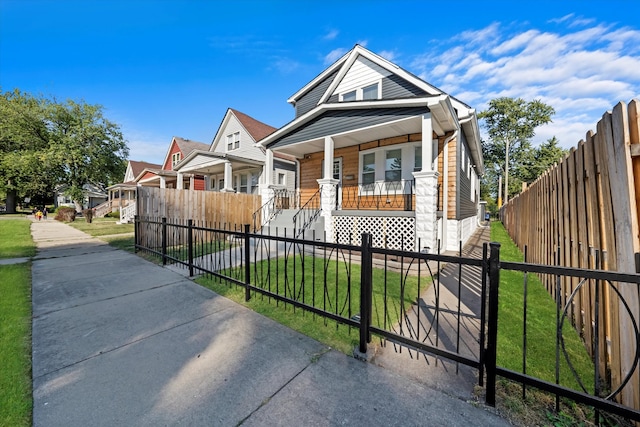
[[358, 136]]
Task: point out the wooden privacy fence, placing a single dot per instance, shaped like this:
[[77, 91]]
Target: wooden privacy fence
[[226, 209], [583, 213]]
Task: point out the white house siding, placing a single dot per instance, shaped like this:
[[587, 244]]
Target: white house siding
[[247, 145], [362, 73]]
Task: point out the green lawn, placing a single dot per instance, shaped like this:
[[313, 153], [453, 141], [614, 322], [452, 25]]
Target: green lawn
[[541, 325], [101, 226], [321, 285], [15, 238], [15, 324]]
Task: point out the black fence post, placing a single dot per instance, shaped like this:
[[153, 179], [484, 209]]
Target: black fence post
[[365, 292], [164, 240], [247, 265], [190, 245], [483, 310], [492, 332]]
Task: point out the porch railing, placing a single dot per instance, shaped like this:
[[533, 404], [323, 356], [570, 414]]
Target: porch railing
[[282, 199], [379, 195], [102, 209], [307, 214], [128, 213]]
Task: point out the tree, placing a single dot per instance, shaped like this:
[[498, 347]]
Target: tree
[[45, 144], [86, 147], [511, 123], [24, 164]]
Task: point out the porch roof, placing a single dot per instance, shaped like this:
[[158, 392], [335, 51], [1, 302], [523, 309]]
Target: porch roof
[[210, 162], [359, 122]]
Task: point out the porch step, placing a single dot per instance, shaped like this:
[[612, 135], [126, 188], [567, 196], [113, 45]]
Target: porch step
[[283, 225]]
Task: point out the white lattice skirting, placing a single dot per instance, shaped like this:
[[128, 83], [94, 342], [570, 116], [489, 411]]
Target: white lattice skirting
[[397, 232]]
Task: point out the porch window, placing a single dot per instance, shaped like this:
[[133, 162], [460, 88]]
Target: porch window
[[243, 183], [418, 159], [281, 179], [393, 166], [220, 184], [369, 168]]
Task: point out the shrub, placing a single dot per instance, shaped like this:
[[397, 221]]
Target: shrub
[[88, 215], [65, 214], [114, 214]]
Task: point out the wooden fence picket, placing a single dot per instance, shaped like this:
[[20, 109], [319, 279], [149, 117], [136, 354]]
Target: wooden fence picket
[[589, 204]]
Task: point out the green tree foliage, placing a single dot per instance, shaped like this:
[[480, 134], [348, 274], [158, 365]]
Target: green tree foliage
[[510, 124], [45, 144]]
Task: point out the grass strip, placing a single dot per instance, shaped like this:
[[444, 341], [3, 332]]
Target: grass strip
[[101, 227], [15, 345], [15, 239]]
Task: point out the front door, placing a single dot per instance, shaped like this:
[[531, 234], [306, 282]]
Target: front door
[[337, 174]]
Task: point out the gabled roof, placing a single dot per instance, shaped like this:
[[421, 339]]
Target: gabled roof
[[254, 128], [137, 167], [186, 146], [343, 65]]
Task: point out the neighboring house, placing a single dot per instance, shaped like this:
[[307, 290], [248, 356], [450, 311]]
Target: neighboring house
[[165, 176], [382, 151], [124, 193], [94, 195], [234, 163]]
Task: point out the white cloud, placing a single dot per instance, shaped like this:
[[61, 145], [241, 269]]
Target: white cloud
[[581, 73], [331, 35], [334, 55], [285, 65], [389, 55]]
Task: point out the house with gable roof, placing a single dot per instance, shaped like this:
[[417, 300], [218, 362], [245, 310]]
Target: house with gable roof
[[234, 163], [381, 151], [166, 176]]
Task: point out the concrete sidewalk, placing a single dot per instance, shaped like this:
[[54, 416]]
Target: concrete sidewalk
[[119, 341]]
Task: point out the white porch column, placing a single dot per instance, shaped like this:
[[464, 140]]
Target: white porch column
[[328, 189], [207, 182], [163, 182], [268, 167], [426, 183], [228, 177], [328, 158], [427, 143], [192, 181], [179, 181]]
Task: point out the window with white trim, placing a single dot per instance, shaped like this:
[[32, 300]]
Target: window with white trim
[[365, 93], [349, 96], [368, 168], [233, 141], [175, 158], [281, 179], [393, 165], [370, 92], [417, 164]]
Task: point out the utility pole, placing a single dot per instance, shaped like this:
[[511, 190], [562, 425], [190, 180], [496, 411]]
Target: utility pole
[[500, 192], [506, 173]]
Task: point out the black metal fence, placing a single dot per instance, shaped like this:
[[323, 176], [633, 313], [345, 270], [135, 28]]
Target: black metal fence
[[399, 296]]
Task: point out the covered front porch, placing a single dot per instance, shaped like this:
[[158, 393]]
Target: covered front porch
[[222, 172], [381, 179]]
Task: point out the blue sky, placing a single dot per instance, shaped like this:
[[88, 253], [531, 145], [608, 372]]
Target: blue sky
[[165, 68]]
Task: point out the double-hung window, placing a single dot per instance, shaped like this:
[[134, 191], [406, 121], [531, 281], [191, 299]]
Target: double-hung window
[[393, 166], [233, 141], [368, 168], [175, 158]]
